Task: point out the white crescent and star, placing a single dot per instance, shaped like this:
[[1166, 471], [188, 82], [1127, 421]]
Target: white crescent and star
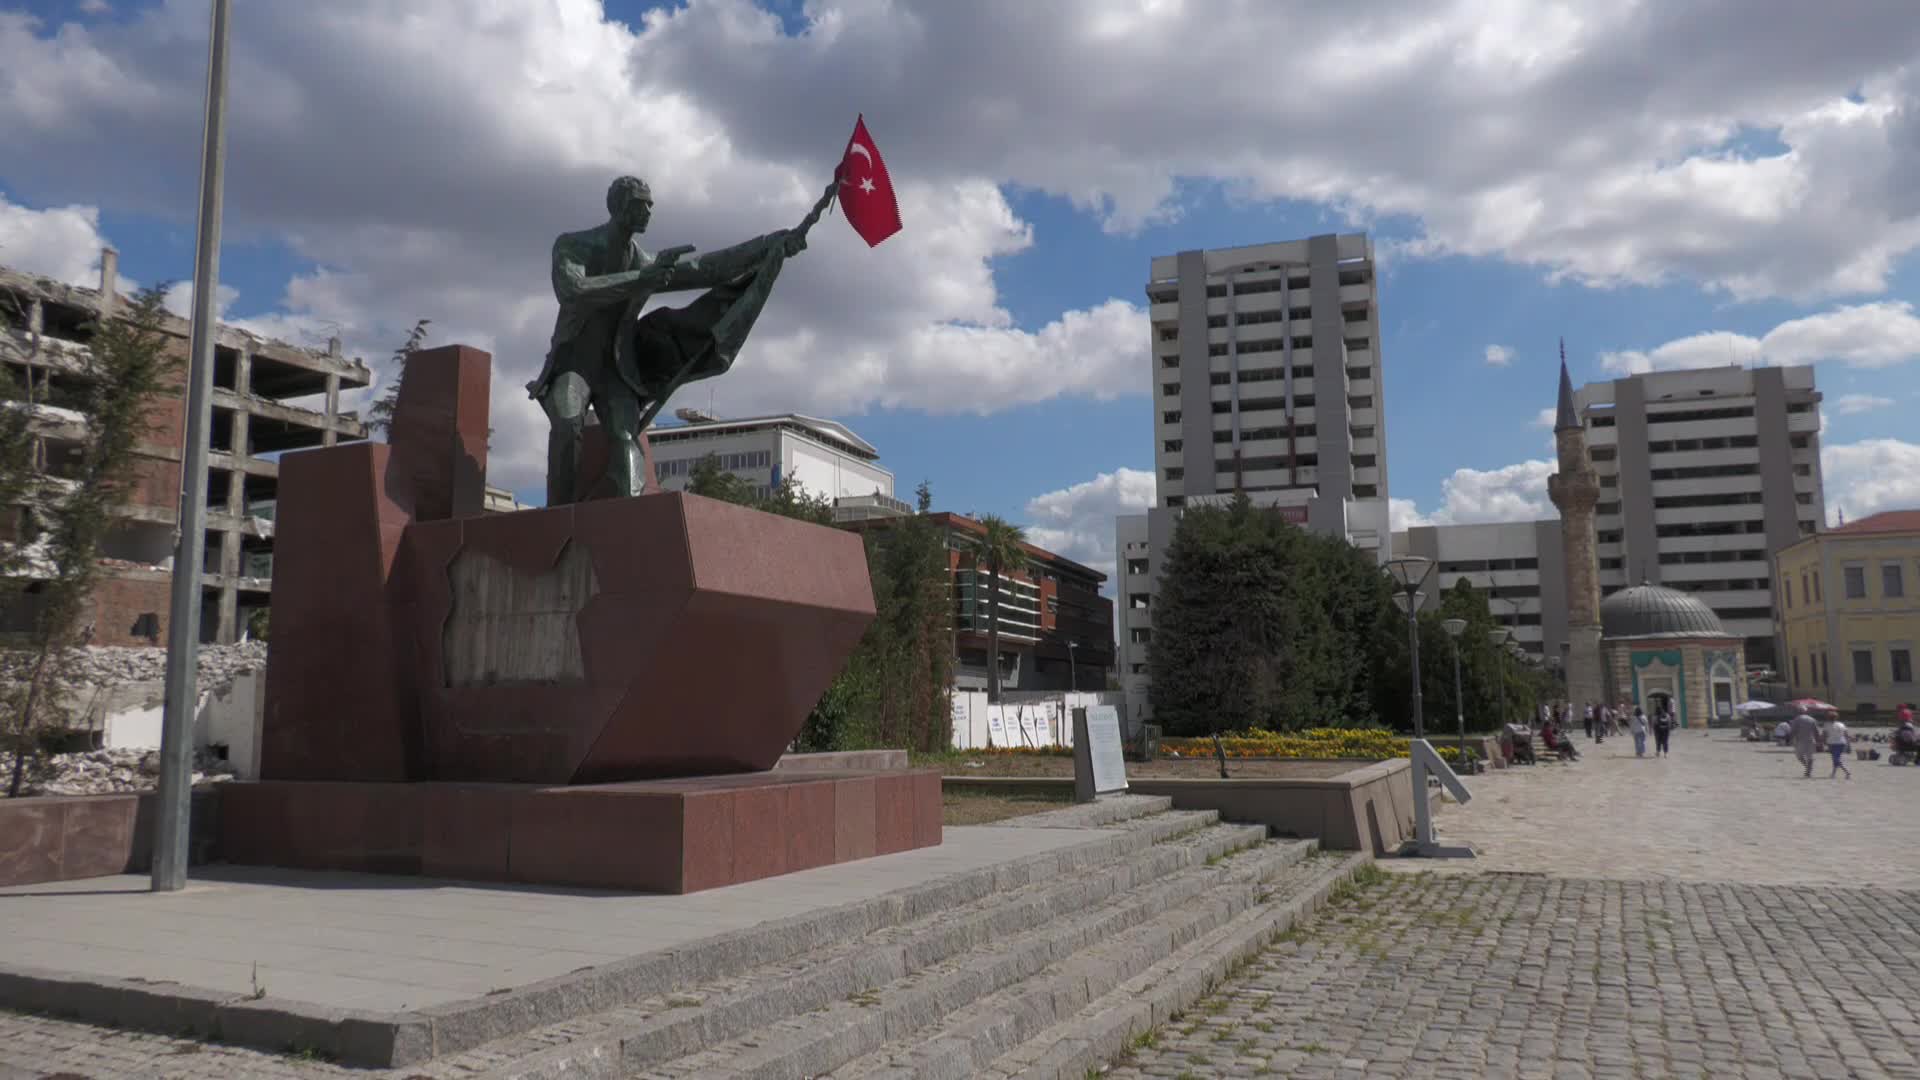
[[866, 182]]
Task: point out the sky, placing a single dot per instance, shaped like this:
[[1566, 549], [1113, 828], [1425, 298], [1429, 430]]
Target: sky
[[1676, 184]]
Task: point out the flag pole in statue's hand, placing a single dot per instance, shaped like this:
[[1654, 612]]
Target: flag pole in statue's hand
[[826, 201]]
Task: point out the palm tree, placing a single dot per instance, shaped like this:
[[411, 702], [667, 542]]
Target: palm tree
[[1002, 547]]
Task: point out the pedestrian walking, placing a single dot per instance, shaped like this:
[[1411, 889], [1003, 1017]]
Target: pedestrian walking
[[1662, 729], [1837, 746], [1806, 736], [1638, 725], [1589, 719]]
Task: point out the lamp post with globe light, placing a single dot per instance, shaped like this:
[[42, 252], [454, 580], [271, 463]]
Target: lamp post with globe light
[[1454, 628]]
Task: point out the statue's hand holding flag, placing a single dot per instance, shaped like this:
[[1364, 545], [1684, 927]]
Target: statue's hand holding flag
[[863, 187]]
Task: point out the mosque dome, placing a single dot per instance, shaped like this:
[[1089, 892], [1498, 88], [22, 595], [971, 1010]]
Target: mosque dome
[[1650, 611]]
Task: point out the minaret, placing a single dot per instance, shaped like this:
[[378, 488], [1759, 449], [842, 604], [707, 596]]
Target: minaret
[[1575, 489]]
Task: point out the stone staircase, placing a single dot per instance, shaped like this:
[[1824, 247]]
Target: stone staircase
[[1049, 967]]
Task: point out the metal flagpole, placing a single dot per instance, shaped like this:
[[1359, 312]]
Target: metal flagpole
[[175, 802]]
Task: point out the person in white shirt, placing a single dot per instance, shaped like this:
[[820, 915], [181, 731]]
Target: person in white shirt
[[1837, 746]]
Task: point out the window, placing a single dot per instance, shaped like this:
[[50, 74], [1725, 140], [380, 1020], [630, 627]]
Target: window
[[1856, 582], [1796, 669], [1171, 389], [1173, 445], [1803, 590], [1170, 361], [1364, 401], [1140, 635], [1891, 584], [1168, 333], [1826, 675], [1816, 587], [1786, 590], [1139, 601], [1901, 660], [1176, 473], [1139, 669], [1170, 417], [1863, 667], [1136, 566]]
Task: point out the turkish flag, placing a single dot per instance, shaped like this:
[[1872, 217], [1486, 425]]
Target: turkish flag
[[866, 192]]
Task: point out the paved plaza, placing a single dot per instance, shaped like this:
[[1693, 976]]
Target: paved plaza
[[1709, 914], [1717, 809], [1712, 914]]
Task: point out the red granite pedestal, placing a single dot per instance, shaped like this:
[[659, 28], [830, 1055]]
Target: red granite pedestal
[[580, 695], [671, 836]]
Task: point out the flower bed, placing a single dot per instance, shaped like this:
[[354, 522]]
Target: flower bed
[[1370, 743]]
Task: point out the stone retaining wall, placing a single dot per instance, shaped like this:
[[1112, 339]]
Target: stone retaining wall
[[68, 837]]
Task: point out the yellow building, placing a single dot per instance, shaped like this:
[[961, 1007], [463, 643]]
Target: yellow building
[[1849, 612]]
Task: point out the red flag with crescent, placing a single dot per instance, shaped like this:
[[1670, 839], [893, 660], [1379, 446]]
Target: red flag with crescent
[[866, 191]]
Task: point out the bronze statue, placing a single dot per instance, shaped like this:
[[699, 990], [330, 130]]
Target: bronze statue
[[625, 365]]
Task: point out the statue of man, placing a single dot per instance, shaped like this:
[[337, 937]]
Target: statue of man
[[606, 356]]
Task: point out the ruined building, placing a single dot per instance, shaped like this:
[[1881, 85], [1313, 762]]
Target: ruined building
[[268, 397]]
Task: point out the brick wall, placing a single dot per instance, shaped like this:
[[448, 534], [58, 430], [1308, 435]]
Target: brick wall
[[157, 481], [130, 610]]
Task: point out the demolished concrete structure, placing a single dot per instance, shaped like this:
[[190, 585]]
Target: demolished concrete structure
[[268, 397]]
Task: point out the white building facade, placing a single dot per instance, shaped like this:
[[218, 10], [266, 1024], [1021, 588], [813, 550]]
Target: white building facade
[[1267, 381], [824, 457]]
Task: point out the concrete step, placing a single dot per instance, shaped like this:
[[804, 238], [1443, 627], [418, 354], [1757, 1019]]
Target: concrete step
[[1128, 932], [1105, 1028], [659, 1027]]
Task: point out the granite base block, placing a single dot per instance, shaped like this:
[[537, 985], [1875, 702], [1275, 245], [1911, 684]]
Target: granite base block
[[670, 836]]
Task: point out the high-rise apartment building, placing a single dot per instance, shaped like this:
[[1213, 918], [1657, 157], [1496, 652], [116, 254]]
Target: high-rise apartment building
[[1266, 380], [1705, 476]]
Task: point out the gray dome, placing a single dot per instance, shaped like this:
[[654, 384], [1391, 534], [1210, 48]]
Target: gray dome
[[1650, 611]]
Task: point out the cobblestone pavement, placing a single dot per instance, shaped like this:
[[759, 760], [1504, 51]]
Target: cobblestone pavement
[[1717, 809], [1500, 975]]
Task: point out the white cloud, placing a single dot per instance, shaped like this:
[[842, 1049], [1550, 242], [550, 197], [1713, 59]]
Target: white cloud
[[1545, 419], [95, 7], [1499, 355], [1870, 476], [1873, 335], [1476, 496], [1402, 515], [1077, 521], [425, 154], [62, 243], [179, 299], [1849, 404]]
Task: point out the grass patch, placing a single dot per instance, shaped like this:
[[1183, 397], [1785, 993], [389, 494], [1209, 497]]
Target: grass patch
[[980, 807]]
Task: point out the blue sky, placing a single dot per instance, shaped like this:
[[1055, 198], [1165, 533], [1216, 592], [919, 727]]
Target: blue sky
[[1586, 205]]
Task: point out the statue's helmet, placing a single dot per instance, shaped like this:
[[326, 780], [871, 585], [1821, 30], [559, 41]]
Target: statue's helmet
[[625, 190]]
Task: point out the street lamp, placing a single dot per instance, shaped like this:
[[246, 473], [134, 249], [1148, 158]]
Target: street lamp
[[1073, 668], [1409, 573], [1498, 636], [1454, 628]]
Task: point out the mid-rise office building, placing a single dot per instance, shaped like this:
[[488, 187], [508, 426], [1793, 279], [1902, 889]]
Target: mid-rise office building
[[824, 457], [1056, 630], [1850, 612], [1267, 381]]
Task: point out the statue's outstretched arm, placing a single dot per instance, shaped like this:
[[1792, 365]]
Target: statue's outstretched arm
[[572, 284]]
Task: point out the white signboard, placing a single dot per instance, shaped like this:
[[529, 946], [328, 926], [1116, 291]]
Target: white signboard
[[1099, 764], [996, 728]]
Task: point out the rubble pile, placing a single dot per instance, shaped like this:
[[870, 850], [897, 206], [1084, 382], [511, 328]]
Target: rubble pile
[[110, 666], [106, 772]]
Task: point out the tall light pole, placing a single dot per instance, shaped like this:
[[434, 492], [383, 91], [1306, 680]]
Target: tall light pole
[[1409, 574], [1454, 628], [174, 803], [1498, 636], [1073, 668]]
